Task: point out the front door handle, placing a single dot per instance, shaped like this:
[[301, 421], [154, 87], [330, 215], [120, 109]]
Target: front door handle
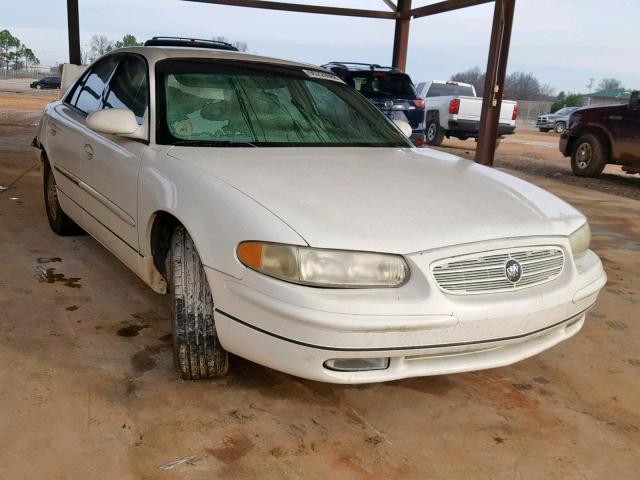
[[88, 151]]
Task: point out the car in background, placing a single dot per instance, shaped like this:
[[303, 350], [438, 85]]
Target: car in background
[[557, 121], [452, 109], [604, 134], [389, 89], [46, 82]]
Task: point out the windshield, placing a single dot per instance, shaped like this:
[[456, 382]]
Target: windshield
[[446, 89], [566, 110], [382, 84], [229, 103]]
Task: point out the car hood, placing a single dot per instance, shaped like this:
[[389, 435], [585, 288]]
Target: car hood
[[386, 199]]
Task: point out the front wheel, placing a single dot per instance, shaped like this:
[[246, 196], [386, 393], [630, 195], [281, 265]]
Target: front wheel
[[560, 127], [435, 133], [588, 157], [197, 351]]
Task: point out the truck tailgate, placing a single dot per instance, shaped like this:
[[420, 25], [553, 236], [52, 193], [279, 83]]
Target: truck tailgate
[[470, 108]]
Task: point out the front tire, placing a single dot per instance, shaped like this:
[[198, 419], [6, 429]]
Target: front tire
[[588, 156], [38, 87], [59, 222], [197, 351], [434, 132], [560, 127]]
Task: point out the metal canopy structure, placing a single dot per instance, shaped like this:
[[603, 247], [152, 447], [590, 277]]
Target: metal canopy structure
[[402, 13]]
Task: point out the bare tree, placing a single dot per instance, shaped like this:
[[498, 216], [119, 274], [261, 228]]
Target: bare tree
[[474, 76], [610, 84], [525, 86], [240, 45], [100, 45]]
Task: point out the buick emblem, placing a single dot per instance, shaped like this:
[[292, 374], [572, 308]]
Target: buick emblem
[[513, 271], [388, 104]]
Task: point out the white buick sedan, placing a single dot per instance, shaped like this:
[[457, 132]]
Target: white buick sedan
[[292, 224]]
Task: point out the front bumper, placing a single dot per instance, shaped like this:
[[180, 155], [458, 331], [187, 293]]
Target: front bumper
[[545, 124], [422, 330]]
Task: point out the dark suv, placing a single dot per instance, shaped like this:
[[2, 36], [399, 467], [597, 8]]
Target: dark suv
[[604, 134], [46, 82], [388, 88]]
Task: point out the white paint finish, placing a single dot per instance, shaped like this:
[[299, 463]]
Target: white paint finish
[[217, 215], [113, 121], [386, 200], [424, 204], [470, 106]]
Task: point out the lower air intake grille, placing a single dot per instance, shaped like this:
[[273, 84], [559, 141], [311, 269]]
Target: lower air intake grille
[[486, 272]]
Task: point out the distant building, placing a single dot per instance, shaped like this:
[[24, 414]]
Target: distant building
[[606, 97]]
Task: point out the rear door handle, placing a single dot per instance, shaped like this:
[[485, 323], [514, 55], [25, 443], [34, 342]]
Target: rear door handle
[[88, 151]]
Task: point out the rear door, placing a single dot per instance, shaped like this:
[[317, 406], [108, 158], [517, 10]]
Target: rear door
[[66, 130], [111, 172]]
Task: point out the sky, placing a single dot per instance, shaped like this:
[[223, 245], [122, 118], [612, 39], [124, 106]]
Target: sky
[[562, 42]]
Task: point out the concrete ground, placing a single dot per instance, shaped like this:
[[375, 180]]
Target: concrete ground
[[88, 390]]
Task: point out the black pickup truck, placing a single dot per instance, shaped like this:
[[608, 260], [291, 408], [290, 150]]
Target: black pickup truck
[[604, 134]]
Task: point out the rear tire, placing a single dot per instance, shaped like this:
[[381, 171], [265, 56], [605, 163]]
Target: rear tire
[[434, 133], [59, 222], [560, 127], [197, 351], [588, 156]]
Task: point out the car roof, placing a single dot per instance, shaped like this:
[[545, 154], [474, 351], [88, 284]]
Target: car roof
[[156, 54]]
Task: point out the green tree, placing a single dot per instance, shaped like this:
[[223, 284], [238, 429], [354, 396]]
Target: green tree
[[128, 41], [564, 100], [8, 47]]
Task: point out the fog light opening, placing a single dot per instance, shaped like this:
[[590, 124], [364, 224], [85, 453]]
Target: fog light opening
[[357, 364]]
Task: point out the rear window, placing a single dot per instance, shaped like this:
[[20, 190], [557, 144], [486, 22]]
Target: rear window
[[446, 89], [382, 84]]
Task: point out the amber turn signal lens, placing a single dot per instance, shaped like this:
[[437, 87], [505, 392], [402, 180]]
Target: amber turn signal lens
[[250, 253]]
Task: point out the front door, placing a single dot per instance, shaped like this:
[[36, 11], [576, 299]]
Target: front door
[[110, 169]]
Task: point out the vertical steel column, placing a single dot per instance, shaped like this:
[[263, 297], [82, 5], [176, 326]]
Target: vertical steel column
[[401, 37], [73, 29], [494, 80]]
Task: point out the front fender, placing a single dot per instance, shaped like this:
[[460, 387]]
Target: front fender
[[216, 215]]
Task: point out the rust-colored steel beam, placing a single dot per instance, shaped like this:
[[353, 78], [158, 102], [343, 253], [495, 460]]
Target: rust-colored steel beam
[[297, 7], [73, 32], [444, 6], [494, 80], [401, 36]]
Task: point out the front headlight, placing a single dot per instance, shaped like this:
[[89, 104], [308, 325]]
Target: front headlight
[[324, 268], [580, 240]]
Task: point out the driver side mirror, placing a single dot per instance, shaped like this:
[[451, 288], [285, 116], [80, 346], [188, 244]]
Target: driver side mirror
[[634, 101], [404, 127], [113, 121]]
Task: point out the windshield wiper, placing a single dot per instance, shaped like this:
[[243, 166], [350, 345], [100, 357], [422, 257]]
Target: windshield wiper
[[211, 143]]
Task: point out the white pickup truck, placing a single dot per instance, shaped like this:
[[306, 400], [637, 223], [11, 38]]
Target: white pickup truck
[[452, 109]]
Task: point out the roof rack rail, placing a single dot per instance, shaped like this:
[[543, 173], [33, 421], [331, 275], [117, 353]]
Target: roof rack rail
[[347, 65], [189, 42]]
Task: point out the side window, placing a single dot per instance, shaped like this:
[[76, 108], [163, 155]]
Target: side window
[[128, 87], [89, 98]]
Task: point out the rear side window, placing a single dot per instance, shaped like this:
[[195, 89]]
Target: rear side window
[[382, 84], [87, 96], [128, 88], [446, 89]]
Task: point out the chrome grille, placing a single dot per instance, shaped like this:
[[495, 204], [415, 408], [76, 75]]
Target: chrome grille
[[485, 272]]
